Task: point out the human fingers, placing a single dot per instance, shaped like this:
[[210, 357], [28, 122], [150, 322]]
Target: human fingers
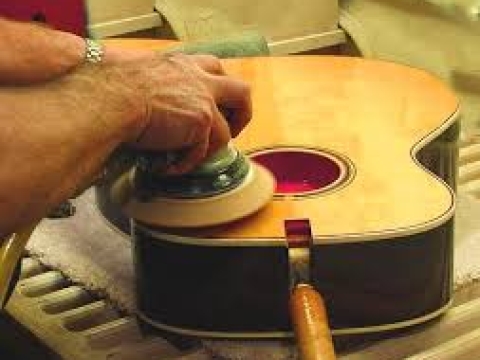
[[219, 134], [207, 142], [233, 97], [209, 63], [193, 154]]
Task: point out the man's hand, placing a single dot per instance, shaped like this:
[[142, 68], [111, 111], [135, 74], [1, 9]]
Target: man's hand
[[186, 99], [60, 133]]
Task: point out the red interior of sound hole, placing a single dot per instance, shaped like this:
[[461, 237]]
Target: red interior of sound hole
[[297, 171]]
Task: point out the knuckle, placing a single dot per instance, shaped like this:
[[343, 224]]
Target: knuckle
[[215, 63], [202, 116], [195, 133], [175, 56], [192, 135], [244, 90], [176, 59], [205, 115]]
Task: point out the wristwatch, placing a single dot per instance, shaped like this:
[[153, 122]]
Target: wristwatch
[[93, 51]]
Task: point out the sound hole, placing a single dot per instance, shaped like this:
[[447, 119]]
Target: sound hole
[[301, 171]]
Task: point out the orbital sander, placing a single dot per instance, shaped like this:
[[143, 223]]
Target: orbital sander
[[226, 187]]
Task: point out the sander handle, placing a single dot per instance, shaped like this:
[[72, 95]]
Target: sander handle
[[11, 251], [310, 324]]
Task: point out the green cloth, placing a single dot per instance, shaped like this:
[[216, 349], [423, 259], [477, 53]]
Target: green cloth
[[245, 44]]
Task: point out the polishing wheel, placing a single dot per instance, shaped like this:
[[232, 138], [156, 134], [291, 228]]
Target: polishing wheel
[[225, 188]]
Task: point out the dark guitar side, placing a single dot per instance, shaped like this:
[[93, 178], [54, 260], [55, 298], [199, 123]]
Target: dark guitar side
[[245, 290]]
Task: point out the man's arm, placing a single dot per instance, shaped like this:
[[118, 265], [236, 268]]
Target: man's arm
[[54, 138], [31, 52]]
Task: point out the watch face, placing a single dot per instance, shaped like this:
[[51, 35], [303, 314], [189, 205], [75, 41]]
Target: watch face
[[71, 16]]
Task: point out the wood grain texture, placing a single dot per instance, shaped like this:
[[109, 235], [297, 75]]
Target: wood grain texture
[[372, 112]]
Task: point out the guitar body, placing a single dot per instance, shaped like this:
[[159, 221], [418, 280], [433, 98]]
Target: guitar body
[[366, 152]]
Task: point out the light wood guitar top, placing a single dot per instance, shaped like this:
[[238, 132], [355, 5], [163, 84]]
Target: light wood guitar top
[[377, 114]]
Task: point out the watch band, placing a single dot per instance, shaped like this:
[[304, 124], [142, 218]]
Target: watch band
[[93, 51]]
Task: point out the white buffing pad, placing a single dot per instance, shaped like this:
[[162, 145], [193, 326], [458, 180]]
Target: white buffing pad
[[256, 190]]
